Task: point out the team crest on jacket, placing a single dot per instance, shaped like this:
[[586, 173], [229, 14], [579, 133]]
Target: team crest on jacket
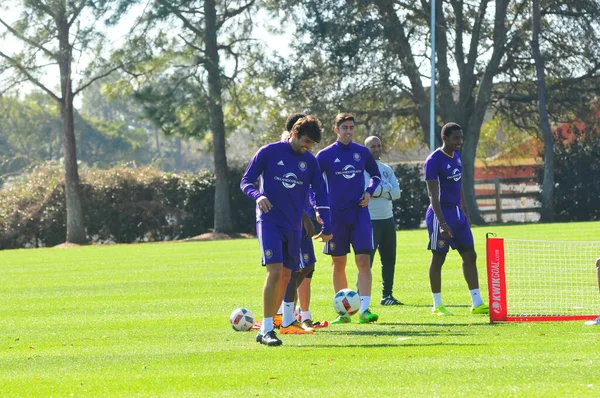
[[356, 156], [385, 174], [441, 243], [302, 165]]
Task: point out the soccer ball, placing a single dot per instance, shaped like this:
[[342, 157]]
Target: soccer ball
[[346, 302], [241, 319]]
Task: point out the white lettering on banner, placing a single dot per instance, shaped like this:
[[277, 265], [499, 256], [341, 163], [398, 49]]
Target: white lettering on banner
[[496, 286]]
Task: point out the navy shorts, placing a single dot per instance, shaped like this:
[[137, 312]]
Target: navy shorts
[[279, 245], [350, 227], [461, 230]]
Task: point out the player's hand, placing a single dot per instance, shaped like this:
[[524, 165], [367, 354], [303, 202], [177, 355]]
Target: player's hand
[[446, 231], [263, 204], [364, 199], [323, 238]]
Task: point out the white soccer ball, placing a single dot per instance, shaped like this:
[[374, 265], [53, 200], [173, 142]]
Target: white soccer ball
[[346, 302], [241, 319]]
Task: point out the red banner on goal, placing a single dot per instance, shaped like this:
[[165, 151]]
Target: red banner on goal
[[496, 279]]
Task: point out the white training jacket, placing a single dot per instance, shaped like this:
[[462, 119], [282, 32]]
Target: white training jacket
[[380, 206]]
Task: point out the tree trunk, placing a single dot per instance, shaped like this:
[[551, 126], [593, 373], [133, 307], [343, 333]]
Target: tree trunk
[[548, 182], [223, 222], [178, 156], [75, 227]]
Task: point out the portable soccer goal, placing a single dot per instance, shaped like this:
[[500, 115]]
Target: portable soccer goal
[[533, 280]]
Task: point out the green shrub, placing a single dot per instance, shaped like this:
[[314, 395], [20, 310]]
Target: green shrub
[[576, 176], [120, 205], [409, 210]]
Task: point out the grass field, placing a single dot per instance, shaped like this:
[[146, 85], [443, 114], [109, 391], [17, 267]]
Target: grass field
[[152, 320]]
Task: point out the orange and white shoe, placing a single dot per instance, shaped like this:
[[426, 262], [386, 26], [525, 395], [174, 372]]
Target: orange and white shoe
[[277, 321], [295, 328]]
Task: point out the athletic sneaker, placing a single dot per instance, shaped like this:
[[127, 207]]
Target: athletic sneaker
[[269, 339], [307, 324], [277, 321], [390, 300], [341, 319], [441, 311], [295, 328], [595, 322], [482, 309], [367, 317]]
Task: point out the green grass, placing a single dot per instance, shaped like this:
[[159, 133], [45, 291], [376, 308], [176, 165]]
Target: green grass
[[152, 320]]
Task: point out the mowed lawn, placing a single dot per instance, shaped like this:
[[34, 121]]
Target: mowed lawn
[[152, 320]]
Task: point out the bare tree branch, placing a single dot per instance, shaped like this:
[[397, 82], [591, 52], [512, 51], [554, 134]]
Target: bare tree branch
[[230, 14], [16, 64], [95, 78], [29, 41]]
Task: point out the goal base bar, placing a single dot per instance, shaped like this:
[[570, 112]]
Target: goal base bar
[[548, 318]]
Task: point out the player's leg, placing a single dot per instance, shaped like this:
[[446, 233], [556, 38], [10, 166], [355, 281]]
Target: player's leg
[[362, 243], [271, 300], [463, 239], [387, 252], [435, 282], [339, 279], [304, 296], [439, 248], [271, 245], [338, 248], [470, 273], [289, 298], [292, 261]]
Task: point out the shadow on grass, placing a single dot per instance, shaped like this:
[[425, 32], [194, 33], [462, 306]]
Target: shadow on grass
[[387, 345], [397, 333]]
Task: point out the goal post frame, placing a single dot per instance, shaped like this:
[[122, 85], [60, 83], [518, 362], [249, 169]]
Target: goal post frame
[[496, 276]]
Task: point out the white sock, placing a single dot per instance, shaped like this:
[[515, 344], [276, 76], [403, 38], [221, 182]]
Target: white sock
[[306, 316], [267, 326], [365, 303], [437, 299], [280, 310], [288, 314], [476, 297]]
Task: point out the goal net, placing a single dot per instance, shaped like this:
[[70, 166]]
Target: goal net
[[532, 280]]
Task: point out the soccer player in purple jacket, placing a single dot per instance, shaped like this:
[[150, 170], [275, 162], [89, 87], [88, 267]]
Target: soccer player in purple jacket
[[343, 164], [447, 224], [286, 170]]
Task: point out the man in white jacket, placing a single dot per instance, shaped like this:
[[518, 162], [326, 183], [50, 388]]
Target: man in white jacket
[[383, 222]]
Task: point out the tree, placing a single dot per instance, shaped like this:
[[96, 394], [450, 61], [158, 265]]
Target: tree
[[483, 60], [188, 47], [547, 213], [58, 34]]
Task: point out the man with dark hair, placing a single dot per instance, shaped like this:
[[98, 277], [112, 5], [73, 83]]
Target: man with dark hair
[[286, 170], [382, 221], [300, 281], [447, 223], [344, 163]]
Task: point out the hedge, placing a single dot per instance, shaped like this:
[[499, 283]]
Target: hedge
[[125, 205]]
